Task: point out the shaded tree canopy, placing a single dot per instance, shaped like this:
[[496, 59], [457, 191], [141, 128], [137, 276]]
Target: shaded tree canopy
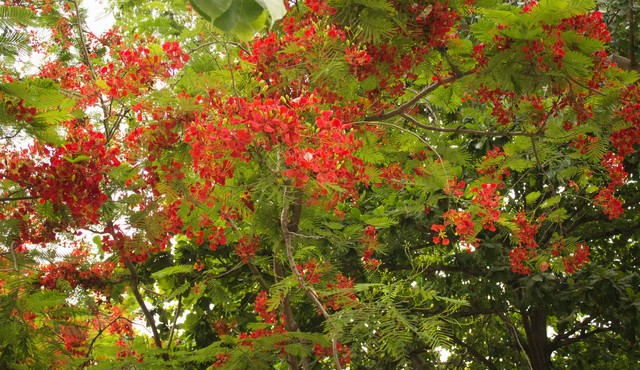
[[320, 184]]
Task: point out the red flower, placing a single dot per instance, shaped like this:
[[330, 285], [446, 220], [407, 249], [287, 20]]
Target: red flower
[[441, 237]]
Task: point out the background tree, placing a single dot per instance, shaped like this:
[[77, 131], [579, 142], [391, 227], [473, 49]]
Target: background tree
[[361, 184]]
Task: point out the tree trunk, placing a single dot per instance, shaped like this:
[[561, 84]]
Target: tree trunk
[[535, 326]]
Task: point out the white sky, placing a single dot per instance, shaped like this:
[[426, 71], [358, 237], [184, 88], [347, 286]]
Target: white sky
[[99, 20]]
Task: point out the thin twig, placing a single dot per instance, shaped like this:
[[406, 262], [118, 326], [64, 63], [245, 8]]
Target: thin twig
[[175, 321], [233, 77], [467, 131], [219, 42], [87, 62], [571, 79], [516, 336], [93, 341], [15, 260], [444, 170], [311, 293], [306, 236]]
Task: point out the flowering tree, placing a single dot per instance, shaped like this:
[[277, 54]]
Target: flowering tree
[[360, 184]]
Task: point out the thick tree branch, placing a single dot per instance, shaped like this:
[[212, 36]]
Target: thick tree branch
[[14, 199], [402, 108], [632, 34], [580, 337], [254, 270], [145, 311], [566, 338]]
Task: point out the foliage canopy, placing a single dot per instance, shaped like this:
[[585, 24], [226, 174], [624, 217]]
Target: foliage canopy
[[318, 184]]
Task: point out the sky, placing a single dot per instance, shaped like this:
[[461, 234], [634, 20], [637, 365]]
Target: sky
[[99, 20]]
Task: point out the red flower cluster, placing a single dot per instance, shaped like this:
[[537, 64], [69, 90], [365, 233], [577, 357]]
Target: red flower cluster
[[462, 221], [579, 257], [245, 339], [247, 247], [20, 111], [496, 98], [589, 25], [625, 139], [311, 271], [527, 244], [370, 241], [584, 143], [436, 21], [344, 353], [489, 202], [464, 228], [92, 278], [74, 338], [69, 175], [615, 168], [344, 295], [491, 166], [611, 206], [261, 307], [441, 236], [395, 176], [454, 187]]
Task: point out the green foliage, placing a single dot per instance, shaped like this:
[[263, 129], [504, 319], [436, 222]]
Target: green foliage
[[242, 18], [375, 181]]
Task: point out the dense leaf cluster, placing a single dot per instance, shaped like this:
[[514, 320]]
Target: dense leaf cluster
[[361, 184]]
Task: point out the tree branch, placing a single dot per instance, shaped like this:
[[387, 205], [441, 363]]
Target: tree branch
[[175, 321], [204, 45], [13, 199], [311, 293], [145, 311], [402, 108], [580, 337], [474, 353], [467, 131], [93, 341], [632, 34], [87, 62]]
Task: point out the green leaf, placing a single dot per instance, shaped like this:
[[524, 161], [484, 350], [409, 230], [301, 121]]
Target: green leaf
[[80, 158], [499, 16], [296, 349], [559, 214], [275, 8], [211, 9], [532, 197], [551, 201], [102, 83], [243, 18], [380, 222], [173, 270]]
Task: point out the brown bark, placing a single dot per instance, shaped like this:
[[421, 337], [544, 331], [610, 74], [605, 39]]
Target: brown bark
[[290, 322], [145, 311], [625, 63], [534, 321], [632, 35]]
